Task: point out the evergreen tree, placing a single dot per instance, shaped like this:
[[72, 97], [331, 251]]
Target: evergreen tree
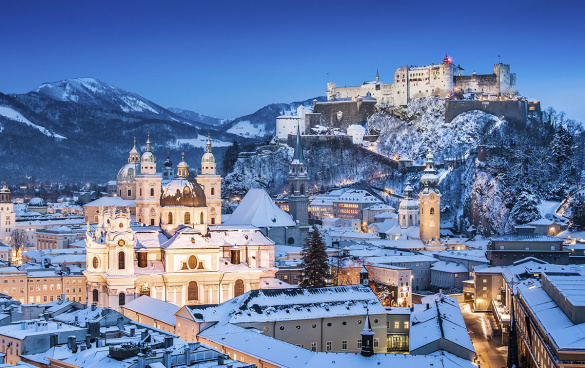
[[456, 225], [561, 145], [525, 208], [230, 157], [315, 262], [578, 211]]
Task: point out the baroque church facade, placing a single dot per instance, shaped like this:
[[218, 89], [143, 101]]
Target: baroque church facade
[[177, 250]]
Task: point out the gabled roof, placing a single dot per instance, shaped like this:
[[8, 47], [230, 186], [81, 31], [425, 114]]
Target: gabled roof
[[258, 209], [154, 308]]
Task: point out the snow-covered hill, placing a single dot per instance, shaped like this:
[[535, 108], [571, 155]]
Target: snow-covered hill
[[195, 116]]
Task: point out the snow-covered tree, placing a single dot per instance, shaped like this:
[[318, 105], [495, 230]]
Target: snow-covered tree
[[561, 145], [526, 208], [578, 210], [315, 263]]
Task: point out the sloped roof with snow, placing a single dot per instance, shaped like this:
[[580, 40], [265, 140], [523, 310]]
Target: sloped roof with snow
[[154, 308], [258, 209], [451, 267], [111, 201]]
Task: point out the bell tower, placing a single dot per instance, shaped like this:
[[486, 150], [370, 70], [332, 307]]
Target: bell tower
[[7, 215], [210, 180], [148, 189], [408, 211], [298, 179], [430, 203]]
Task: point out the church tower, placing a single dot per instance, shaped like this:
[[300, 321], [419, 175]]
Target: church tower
[[298, 178], [408, 211], [210, 180], [168, 173], [7, 215], [148, 189], [430, 203], [126, 178]]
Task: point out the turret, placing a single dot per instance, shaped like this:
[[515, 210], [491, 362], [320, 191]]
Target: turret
[[298, 178], [182, 167], [367, 339], [134, 155], [148, 160]]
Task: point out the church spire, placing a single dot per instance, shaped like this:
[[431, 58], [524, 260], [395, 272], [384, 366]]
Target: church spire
[[148, 145], [208, 148], [377, 76], [299, 148]]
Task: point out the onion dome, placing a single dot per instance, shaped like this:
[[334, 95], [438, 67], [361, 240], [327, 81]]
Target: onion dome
[[168, 162], [147, 156], [430, 179], [183, 192], [408, 203], [128, 173], [208, 157]]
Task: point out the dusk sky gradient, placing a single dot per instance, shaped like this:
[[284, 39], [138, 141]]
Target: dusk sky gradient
[[227, 59]]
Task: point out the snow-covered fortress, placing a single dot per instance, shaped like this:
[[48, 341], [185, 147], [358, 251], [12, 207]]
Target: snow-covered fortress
[[431, 80]]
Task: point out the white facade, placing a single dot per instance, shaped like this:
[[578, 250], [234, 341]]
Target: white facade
[[7, 215], [287, 124], [357, 133]]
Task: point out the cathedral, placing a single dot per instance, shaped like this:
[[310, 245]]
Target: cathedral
[[177, 250]]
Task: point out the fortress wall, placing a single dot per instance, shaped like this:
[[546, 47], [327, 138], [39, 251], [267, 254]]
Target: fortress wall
[[512, 110]]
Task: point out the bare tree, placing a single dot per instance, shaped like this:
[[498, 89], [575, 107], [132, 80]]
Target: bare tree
[[18, 239]]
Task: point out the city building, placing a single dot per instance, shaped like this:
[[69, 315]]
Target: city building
[[7, 215]]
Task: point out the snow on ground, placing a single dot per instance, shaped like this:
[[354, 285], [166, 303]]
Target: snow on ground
[[247, 129], [548, 208], [200, 142], [16, 116]]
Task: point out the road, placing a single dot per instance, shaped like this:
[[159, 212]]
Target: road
[[491, 354]]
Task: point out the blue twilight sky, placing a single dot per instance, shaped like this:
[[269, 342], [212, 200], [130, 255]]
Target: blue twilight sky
[[228, 58]]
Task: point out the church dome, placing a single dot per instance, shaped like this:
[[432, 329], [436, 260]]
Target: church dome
[[183, 192], [408, 203], [36, 202], [208, 157], [168, 162], [147, 157], [128, 173]]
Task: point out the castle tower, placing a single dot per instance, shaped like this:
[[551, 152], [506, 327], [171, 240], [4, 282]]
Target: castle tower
[[409, 208], [148, 189], [430, 203], [298, 178], [7, 215], [210, 180]]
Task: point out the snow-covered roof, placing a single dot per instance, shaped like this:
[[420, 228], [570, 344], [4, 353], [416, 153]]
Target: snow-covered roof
[[111, 201], [258, 209], [438, 319], [386, 215], [154, 308], [357, 196], [541, 222], [450, 267]]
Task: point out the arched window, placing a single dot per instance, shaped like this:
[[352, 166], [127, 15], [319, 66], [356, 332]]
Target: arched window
[[120, 192], [96, 262], [96, 295], [238, 288], [121, 260], [170, 218], [121, 299], [187, 218], [152, 192], [141, 192], [212, 191], [432, 210], [201, 218], [302, 189], [193, 291]]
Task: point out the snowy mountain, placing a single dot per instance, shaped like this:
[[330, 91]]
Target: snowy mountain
[[195, 116], [263, 122]]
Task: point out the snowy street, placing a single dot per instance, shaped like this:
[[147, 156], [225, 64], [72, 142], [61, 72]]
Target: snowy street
[[491, 353]]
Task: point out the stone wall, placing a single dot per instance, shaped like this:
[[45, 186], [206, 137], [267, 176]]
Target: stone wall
[[340, 114], [512, 110]]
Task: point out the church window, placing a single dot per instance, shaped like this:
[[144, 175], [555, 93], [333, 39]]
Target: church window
[[95, 295], [141, 192], [151, 222], [170, 218], [238, 287], [432, 210], [121, 260], [129, 192], [213, 221], [96, 262], [193, 291], [192, 262], [120, 192], [145, 289], [302, 189], [187, 218], [212, 191], [152, 192], [201, 218], [121, 299], [186, 190]]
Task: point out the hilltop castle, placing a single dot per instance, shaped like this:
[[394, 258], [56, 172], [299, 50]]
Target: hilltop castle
[[431, 80]]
